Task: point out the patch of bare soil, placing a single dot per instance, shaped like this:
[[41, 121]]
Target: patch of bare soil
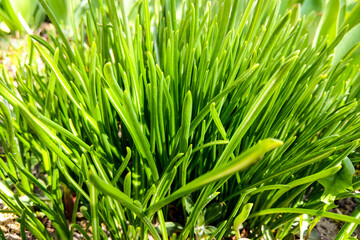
[[9, 226], [328, 228]]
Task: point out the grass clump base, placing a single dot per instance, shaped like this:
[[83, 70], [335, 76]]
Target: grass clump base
[[236, 115]]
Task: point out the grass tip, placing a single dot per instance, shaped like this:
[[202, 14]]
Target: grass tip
[[272, 142], [107, 65]]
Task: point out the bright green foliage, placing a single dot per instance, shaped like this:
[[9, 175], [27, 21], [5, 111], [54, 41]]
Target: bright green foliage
[[13, 11], [238, 221], [20, 14], [195, 106], [348, 45], [339, 182]]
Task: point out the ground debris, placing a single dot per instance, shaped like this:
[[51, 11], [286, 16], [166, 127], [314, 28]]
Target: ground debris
[[329, 228], [9, 225]]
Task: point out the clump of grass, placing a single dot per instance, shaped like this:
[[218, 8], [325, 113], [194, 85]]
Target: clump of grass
[[223, 111], [14, 12]]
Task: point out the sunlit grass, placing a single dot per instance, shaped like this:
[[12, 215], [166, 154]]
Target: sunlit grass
[[216, 106]]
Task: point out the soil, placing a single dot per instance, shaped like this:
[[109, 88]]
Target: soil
[[328, 228]]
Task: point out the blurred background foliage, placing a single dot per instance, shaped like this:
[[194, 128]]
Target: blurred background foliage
[[33, 14], [13, 11]]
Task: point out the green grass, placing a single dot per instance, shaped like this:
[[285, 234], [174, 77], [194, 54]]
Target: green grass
[[234, 114], [15, 13]]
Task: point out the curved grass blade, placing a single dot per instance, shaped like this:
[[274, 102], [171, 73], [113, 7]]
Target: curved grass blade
[[299, 211], [241, 162], [122, 198]]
